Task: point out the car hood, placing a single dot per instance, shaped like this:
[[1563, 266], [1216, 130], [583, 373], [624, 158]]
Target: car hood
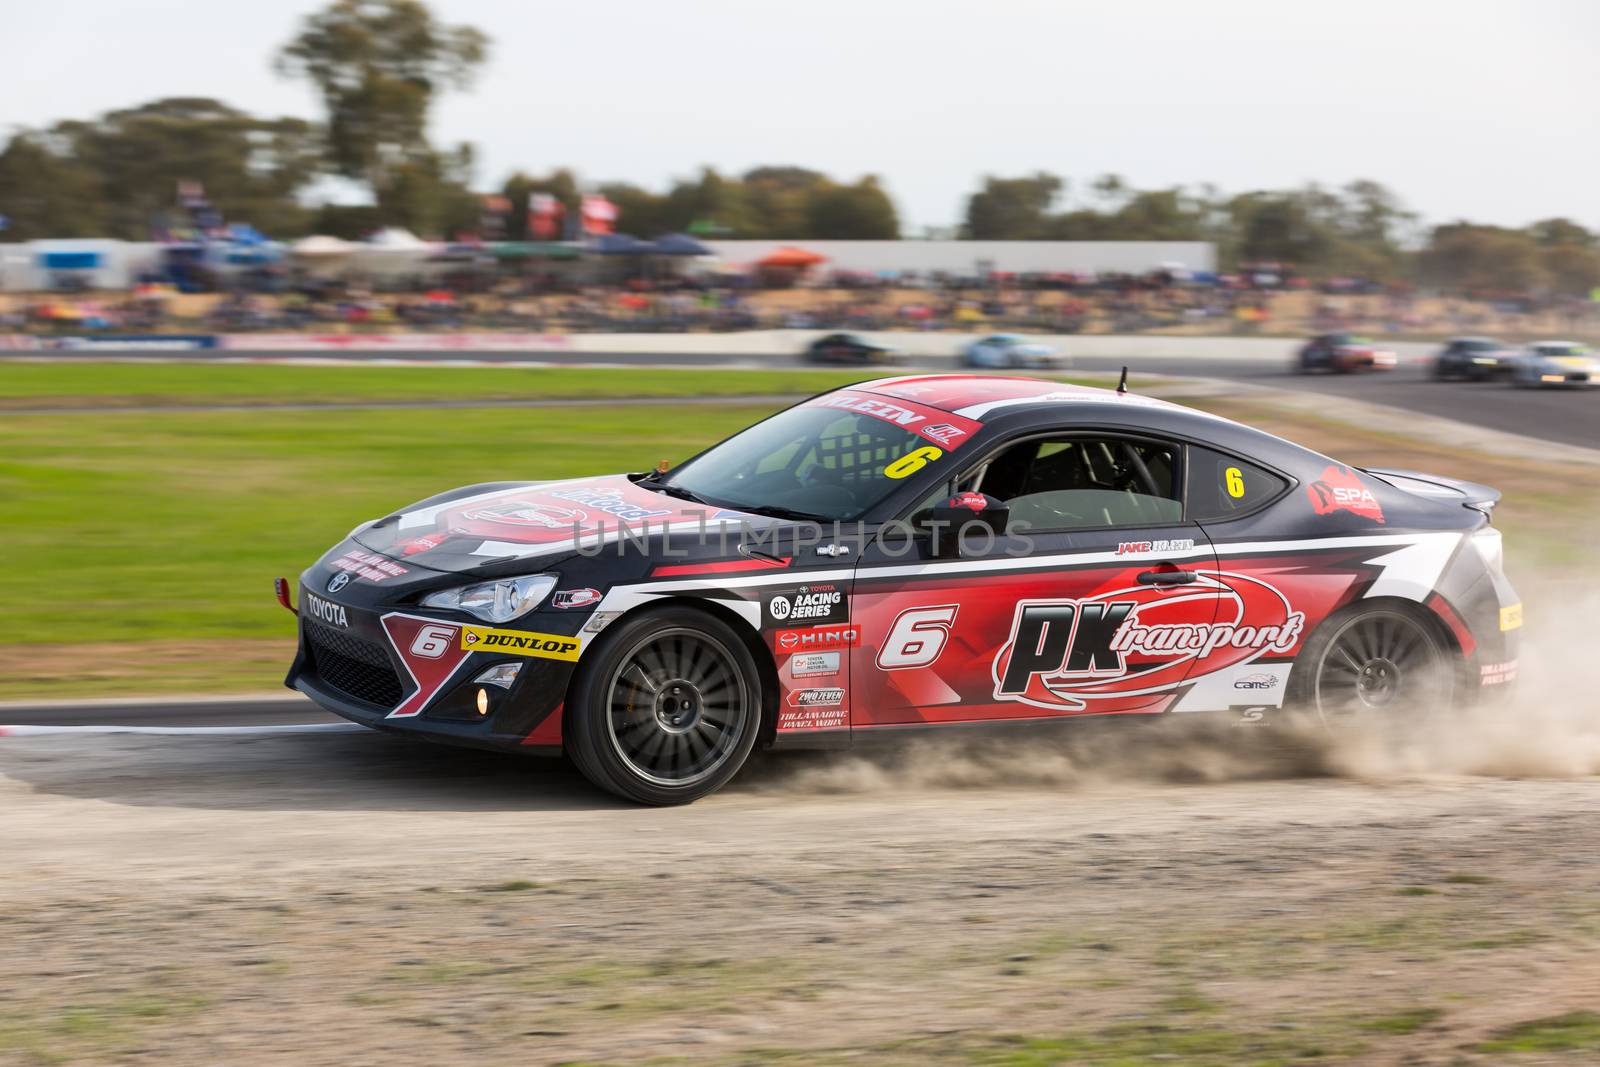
[[478, 527], [1567, 362]]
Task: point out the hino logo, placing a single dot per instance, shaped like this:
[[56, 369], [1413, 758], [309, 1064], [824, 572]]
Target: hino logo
[[338, 581], [326, 610]]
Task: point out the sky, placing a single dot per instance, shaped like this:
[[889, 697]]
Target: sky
[[1466, 108]]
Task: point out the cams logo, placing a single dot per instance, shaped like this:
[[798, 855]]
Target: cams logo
[[1256, 681], [519, 643], [1341, 489], [1140, 641], [808, 604]]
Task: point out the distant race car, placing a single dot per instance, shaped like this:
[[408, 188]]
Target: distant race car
[[917, 552], [1009, 350], [1475, 358], [847, 348], [1343, 353], [1556, 363]]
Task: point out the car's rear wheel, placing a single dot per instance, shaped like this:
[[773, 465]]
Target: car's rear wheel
[[667, 708], [1375, 660]]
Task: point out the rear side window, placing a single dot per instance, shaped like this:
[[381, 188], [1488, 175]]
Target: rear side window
[[1222, 486]]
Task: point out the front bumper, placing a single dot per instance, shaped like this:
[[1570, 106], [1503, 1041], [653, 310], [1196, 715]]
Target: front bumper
[[394, 668]]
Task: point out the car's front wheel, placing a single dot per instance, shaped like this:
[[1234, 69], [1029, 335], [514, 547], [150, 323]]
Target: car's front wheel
[[1378, 659], [666, 709]]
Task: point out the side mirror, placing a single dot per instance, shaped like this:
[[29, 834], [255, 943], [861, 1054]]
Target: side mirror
[[964, 517]]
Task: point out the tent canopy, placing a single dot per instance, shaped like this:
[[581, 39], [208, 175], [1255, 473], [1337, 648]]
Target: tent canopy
[[534, 250], [677, 244], [320, 245], [620, 244], [789, 256]]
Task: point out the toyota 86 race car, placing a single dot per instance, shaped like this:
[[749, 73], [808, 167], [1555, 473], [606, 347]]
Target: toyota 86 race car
[[1343, 353], [911, 553], [1556, 363]]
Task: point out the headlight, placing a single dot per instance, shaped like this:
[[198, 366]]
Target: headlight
[[499, 601]]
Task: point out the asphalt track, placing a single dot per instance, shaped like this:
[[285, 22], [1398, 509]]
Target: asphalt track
[[1567, 416]]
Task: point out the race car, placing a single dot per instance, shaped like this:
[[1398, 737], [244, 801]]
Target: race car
[[1008, 350], [1342, 353], [1556, 363], [847, 348], [1476, 359], [912, 553]]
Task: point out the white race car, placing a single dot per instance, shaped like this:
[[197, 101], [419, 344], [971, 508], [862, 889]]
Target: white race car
[[1556, 363], [1009, 350]]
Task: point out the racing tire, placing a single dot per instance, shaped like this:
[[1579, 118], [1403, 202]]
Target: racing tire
[[1377, 659], [666, 708]]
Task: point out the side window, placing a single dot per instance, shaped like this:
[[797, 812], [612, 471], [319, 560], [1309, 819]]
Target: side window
[[1074, 483], [1222, 486]]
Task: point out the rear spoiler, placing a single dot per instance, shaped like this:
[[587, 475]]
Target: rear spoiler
[[1437, 487]]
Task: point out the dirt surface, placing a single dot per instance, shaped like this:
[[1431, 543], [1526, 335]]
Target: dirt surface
[[1211, 894]]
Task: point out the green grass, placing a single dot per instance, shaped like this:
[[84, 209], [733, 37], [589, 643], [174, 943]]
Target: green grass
[[125, 527], [1577, 1031], [126, 384]]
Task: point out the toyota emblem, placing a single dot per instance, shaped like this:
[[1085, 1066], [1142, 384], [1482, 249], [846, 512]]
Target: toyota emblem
[[338, 581]]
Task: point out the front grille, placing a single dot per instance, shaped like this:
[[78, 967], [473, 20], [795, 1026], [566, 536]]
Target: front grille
[[358, 669]]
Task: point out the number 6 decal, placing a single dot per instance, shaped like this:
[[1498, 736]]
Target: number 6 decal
[[916, 637], [433, 641]]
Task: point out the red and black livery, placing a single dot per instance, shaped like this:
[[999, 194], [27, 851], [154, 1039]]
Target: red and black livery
[[909, 553]]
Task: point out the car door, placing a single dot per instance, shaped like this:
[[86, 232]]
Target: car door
[[1092, 603]]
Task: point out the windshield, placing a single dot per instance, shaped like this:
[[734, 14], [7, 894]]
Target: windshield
[[821, 462], [1560, 350]]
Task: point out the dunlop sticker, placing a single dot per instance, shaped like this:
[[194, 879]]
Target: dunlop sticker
[[519, 643]]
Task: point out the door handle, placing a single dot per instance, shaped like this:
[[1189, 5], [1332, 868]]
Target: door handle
[[1172, 577]]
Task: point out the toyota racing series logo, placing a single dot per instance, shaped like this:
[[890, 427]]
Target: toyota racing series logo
[[807, 604], [1137, 641]]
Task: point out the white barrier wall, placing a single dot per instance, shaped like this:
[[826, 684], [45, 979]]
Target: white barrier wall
[[980, 257]]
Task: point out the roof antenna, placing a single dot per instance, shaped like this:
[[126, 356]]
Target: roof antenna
[[1122, 385]]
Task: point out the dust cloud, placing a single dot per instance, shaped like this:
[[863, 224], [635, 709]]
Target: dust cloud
[[1546, 726]]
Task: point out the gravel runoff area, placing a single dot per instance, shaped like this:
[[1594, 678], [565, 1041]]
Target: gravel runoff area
[[1194, 893]]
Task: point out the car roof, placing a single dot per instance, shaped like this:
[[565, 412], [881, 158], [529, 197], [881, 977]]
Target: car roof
[[975, 396], [1008, 403]]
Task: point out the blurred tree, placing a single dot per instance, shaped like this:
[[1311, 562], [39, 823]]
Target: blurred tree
[[46, 191], [639, 211], [1278, 227], [1470, 258], [1554, 232], [1112, 189], [778, 197], [561, 184], [116, 175], [429, 194], [858, 212], [710, 198], [1569, 254], [1572, 269], [349, 221], [1012, 209], [251, 168], [378, 65]]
